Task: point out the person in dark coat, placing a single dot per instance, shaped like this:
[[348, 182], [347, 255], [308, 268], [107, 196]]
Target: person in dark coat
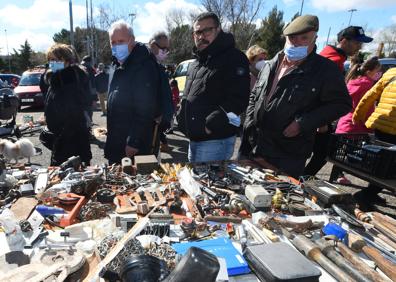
[[216, 92], [297, 92], [133, 96], [159, 46], [101, 86], [66, 105]]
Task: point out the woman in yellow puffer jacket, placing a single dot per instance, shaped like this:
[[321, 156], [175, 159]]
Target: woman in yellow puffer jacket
[[383, 119]]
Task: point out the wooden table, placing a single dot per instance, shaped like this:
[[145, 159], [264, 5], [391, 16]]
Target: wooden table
[[389, 184]]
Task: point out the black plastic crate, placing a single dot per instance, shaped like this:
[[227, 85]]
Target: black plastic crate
[[363, 152]]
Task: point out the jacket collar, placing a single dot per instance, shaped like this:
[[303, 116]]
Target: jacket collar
[[222, 42]]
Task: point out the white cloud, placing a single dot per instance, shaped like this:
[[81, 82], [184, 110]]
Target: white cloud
[[41, 14], [152, 17], [37, 23], [343, 5]]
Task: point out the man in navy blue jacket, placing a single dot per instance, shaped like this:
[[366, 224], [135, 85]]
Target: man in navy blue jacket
[[133, 96]]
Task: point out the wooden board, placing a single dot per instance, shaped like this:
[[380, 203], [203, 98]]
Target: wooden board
[[23, 207]]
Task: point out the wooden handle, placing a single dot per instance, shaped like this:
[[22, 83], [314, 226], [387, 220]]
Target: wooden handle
[[385, 265]]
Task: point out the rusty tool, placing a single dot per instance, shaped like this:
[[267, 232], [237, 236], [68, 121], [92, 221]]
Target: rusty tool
[[384, 224], [223, 219], [123, 204], [359, 263], [327, 248], [357, 244], [299, 227]]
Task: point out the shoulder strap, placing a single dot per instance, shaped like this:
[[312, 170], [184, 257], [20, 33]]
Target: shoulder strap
[[390, 81]]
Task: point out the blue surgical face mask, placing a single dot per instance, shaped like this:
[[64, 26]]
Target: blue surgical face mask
[[120, 51], [294, 53], [56, 65]]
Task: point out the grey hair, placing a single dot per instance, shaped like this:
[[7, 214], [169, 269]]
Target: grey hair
[[158, 36], [120, 24]]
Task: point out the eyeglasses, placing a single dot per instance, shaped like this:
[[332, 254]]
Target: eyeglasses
[[205, 32], [160, 47]]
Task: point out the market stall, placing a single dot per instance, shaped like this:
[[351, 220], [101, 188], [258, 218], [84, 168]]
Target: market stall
[[228, 221]]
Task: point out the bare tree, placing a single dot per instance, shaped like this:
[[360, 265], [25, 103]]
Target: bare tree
[[388, 37], [238, 17]]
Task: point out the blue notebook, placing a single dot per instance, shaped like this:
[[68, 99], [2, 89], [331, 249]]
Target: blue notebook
[[221, 247]]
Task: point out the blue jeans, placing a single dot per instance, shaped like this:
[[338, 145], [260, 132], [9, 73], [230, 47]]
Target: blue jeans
[[211, 150]]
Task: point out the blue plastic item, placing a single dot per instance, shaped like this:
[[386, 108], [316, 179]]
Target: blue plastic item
[[334, 229], [48, 210], [222, 247]]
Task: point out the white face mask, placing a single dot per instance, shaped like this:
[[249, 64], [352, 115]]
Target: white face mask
[[162, 55], [260, 64]]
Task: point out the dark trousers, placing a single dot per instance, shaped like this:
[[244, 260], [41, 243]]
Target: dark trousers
[[318, 159]]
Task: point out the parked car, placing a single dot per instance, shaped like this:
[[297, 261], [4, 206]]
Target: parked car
[[10, 80], [181, 74], [28, 90], [386, 63]]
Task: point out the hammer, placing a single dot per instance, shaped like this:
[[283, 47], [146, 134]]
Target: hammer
[[357, 243]]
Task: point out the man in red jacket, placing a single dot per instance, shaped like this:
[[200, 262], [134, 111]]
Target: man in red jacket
[[350, 41]]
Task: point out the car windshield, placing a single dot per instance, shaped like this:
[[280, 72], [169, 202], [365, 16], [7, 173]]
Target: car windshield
[[30, 79], [181, 70]]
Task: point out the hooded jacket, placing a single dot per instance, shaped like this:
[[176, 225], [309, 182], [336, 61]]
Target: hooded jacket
[[133, 103], [217, 82], [356, 88]]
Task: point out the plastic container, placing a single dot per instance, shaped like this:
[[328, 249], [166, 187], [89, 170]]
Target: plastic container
[[334, 229], [47, 210], [362, 152], [143, 268]]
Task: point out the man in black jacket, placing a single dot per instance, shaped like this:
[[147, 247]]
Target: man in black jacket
[[297, 92], [216, 92], [101, 86], [133, 96]]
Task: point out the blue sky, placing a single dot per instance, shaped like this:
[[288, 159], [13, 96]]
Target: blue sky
[[38, 20]]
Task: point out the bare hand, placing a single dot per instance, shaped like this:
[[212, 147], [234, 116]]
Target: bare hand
[[207, 131], [292, 130], [323, 129], [130, 151]]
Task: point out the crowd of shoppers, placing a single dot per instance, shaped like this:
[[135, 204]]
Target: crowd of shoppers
[[291, 100]]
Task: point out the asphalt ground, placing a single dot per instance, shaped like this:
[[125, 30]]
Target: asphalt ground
[[179, 147]]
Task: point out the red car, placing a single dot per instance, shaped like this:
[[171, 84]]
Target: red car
[[28, 89]]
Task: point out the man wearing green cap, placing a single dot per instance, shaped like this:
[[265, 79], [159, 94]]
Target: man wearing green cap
[[297, 92]]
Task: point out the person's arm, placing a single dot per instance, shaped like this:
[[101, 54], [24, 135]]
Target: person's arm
[[334, 102], [236, 81]]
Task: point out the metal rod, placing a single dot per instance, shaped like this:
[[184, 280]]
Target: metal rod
[[71, 23]]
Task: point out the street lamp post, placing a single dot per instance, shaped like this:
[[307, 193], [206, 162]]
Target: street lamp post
[[71, 23], [350, 18], [302, 6], [8, 53]]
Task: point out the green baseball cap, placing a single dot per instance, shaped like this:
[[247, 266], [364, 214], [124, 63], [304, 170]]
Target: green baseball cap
[[302, 24]]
